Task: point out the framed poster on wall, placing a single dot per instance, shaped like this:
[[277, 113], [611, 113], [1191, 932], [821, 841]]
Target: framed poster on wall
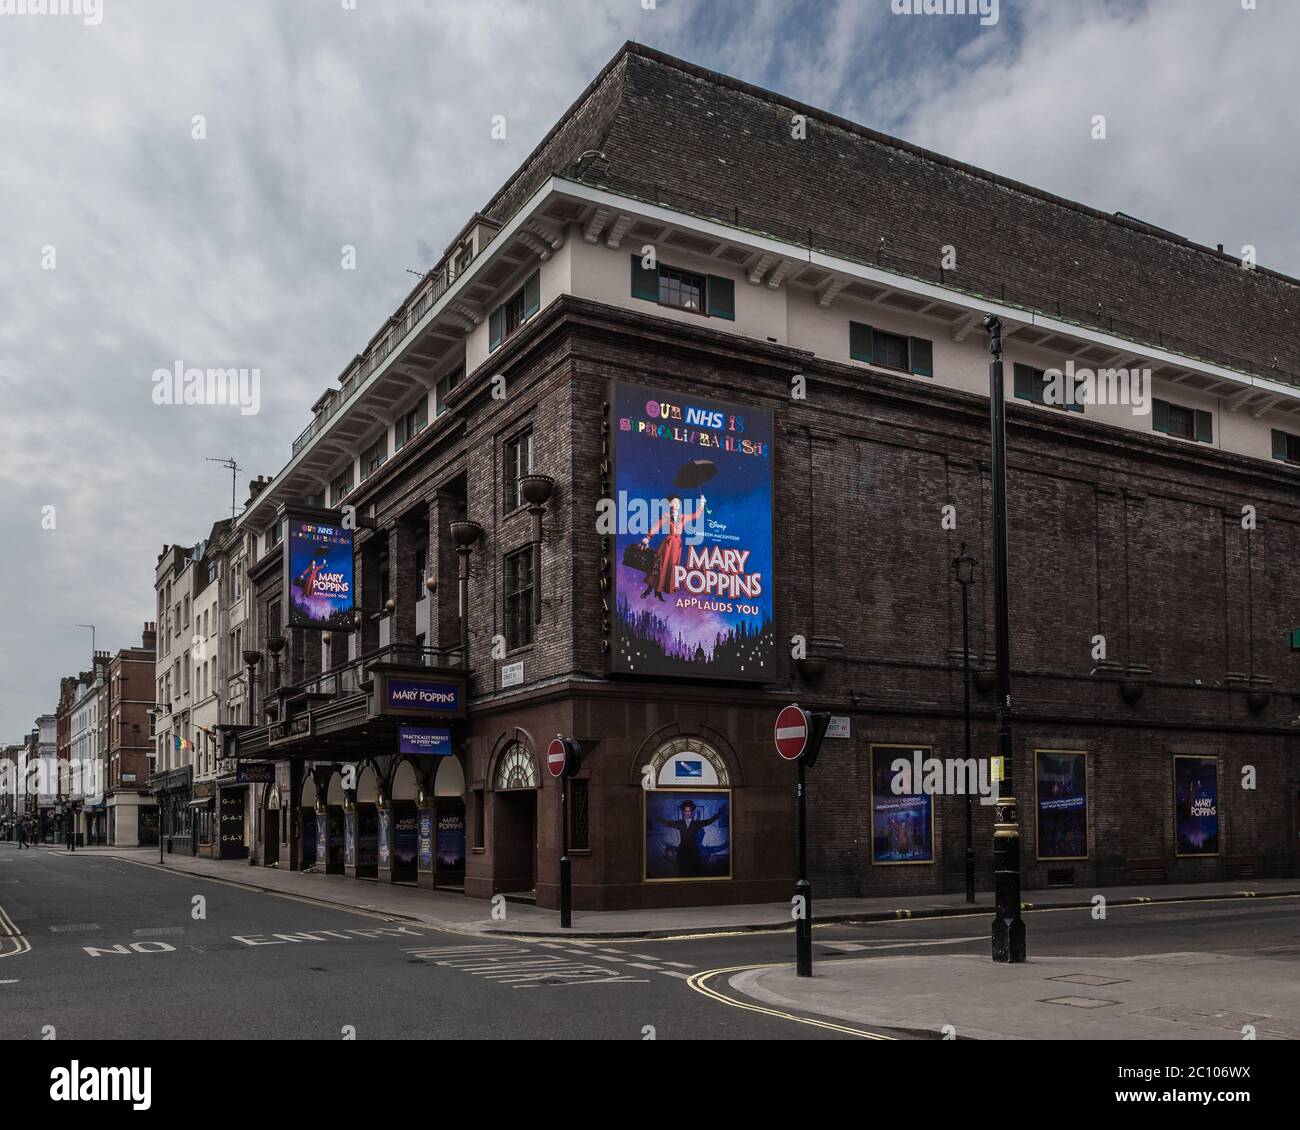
[[902, 823], [1196, 805], [1061, 803], [687, 834]]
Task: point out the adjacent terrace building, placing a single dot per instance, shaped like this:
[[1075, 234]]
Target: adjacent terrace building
[[129, 740], [753, 329]]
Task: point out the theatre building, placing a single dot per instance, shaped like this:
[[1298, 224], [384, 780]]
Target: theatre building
[[691, 422]]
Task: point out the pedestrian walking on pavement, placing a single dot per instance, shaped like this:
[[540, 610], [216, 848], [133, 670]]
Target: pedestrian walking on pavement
[[22, 836], [72, 838]]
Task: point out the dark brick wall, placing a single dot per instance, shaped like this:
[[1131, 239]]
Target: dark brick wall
[[1132, 536]]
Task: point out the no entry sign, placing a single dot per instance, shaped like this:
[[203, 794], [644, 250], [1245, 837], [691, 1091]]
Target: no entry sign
[[791, 732], [557, 757]]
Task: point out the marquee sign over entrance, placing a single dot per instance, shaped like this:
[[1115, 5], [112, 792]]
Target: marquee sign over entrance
[[407, 692]]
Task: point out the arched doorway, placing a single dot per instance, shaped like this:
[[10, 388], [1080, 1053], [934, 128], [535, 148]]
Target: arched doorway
[[403, 823], [366, 810], [307, 820], [514, 820], [335, 799]]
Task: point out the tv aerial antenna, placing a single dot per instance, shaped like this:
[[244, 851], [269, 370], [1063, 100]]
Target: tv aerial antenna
[[234, 469]]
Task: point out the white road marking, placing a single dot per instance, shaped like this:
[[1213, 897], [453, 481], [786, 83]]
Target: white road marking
[[674, 973]]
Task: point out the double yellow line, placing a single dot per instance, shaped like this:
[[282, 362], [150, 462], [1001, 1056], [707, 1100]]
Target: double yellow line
[[699, 982], [10, 933]]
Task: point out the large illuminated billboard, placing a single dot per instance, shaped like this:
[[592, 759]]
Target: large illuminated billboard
[[318, 573], [691, 519]]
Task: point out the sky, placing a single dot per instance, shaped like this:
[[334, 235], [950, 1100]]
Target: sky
[[180, 177]]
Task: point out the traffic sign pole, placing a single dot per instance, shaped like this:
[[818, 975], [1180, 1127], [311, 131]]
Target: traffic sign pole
[[562, 762], [798, 737], [566, 866], [803, 888]]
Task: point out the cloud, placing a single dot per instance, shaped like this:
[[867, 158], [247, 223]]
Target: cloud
[[371, 128]]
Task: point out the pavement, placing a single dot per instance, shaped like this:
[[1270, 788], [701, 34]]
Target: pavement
[[454, 911], [107, 943], [1207, 996]]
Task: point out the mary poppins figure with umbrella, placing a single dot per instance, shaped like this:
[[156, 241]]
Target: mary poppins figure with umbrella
[[668, 555]]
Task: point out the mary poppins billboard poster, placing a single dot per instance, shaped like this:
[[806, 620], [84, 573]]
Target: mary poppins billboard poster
[[318, 573], [691, 519]]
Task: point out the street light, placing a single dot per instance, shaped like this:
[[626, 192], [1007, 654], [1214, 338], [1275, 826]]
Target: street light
[[1008, 927], [963, 568]]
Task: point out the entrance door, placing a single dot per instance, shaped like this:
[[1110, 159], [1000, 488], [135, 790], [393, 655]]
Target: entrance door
[[271, 839], [334, 840], [307, 816], [514, 840]]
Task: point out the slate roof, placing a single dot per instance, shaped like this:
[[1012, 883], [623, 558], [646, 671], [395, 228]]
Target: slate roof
[[699, 142]]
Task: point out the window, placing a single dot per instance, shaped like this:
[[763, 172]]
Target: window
[[891, 351], [1286, 446], [480, 830], [710, 295], [411, 424], [444, 388], [1034, 384], [519, 598], [514, 311], [273, 619], [421, 570], [464, 259], [212, 572], [374, 456], [273, 536], [1181, 422], [341, 487], [187, 612], [518, 463], [681, 289]]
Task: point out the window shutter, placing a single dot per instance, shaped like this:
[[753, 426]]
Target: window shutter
[[860, 341], [1204, 426], [645, 284], [922, 352], [1160, 415], [532, 294], [1279, 444], [496, 323], [1023, 382], [722, 298]]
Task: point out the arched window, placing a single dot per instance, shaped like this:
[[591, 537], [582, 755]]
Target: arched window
[[516, 768], [689, 763]]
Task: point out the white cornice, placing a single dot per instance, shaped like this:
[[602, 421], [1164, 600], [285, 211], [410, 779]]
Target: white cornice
[[772, 251]]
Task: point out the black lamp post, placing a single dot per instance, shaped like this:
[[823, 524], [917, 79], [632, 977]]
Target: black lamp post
[[537, 490], [1008, 926], [464, 533], [963, 567], [251, 660]]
